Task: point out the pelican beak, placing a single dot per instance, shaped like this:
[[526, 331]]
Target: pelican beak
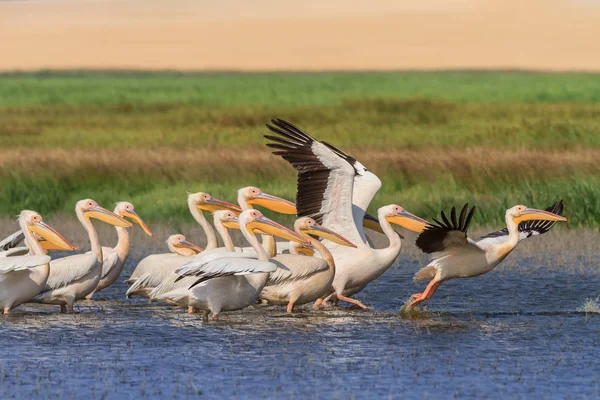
[[307, 251], [232, 223], [274, 203], [270, 227], [372, 223], [132, 215], [212, 205], [189, 245], [408, 221], [328, 234], [106, 216], [534, 214], [51, 237]]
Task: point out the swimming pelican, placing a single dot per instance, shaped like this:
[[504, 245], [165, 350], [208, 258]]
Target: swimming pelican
[[300, 279], [154, 268], [74, 277], [23, 277], [114, 257], [231, 281], [335, 190], [454, 255]]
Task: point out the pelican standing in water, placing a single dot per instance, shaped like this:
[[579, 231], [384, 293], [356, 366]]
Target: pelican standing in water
[[335, 190], [454, 255], [114, 257], [231, 281], [299, 279], [152, 270], [23, 277], [74, 277]]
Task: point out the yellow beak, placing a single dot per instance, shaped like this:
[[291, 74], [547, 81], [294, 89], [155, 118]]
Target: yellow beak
[[306, 251], [534, 214], [212, 205], [328, 234], [372, 223], [106, 216], [274, 203], [54, 239], [189, 245], [270, 227], [408, 221], [132, 215], [231, 224]]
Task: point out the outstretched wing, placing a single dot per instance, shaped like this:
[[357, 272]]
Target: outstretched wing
[[527, 229], [224, 266], [440, 236], [12, 241], [325, 177], [18, 263], [291, 267]]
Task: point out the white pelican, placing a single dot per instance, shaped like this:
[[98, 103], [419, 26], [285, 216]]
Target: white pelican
[[300, 279], [335, 190], [454, 255], [12, 241], [114, 257], [151, 271], [74, 277], [181, 252], [23, 277], [231, 281]]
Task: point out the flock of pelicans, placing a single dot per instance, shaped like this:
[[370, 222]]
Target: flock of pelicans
[[326, 257]]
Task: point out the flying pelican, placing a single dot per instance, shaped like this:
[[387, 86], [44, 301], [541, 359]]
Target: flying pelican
[[23, 277], [231, 281], [114, 257], [181, 251], [74, 277], [454, 255], [300, 279], [151, 271], [335, 190]]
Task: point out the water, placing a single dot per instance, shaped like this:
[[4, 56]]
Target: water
[[511, 333]]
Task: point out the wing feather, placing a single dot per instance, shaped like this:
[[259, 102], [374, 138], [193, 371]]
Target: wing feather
[[66, 270], [291, 267], [12, 240], [18, 263], [440, 236]]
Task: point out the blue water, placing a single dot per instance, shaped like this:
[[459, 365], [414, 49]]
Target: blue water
[[511, 333]]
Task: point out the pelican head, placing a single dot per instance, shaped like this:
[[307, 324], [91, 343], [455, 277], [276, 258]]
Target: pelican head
[[90, 209], [38, 227], [255, 196], [522, 213], [180, 242], [228, 219], [205, 202], [254, 220], [309, 226], [399, 216], [126, 210]]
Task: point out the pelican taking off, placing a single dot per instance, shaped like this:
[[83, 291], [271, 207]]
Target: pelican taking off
[[454, 255]]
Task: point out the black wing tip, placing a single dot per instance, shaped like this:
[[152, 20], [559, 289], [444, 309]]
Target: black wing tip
[[431, 240]]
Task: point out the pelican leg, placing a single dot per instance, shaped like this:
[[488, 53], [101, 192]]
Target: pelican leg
[[215, 317], [6, 311], [351, 301], [190, 310], [290, 306], [63, 309], [205, 316], [426, 295], [70, 308], [317, 304]]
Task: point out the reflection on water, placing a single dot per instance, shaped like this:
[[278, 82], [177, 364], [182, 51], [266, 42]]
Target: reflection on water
[[508, 332]]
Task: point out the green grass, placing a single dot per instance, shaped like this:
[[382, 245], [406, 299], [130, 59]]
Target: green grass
[[436, 139]]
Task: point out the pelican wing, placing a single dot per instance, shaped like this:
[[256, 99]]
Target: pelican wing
[[527, 229], [15, 251], [12, 240], [109, 260], [292, 267], [325, 177], [441, 236], [18, 263], [230, 264], [66, 270]]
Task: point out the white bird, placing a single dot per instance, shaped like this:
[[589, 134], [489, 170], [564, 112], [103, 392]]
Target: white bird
[[335, 190], [114, 257], [454, 255], [300, 279], [74, 277], [23, 277], [231, 281], [151, 271], [182, 251]]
